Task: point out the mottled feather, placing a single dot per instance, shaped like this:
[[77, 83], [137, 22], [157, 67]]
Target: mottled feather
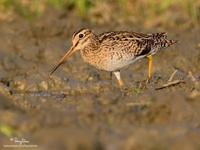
[[114, 50]]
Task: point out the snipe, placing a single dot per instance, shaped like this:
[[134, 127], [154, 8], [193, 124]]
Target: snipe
[[111, 51]]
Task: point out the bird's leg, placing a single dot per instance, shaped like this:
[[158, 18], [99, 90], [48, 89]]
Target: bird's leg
[[150, 60], [111, 75], [117, 75]]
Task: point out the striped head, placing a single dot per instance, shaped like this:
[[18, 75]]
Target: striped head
[[80, 40]]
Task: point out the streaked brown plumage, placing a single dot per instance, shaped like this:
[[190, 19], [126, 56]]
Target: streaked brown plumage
[[111, 51]]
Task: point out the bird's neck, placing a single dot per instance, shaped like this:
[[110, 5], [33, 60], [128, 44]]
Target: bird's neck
[[92, 46]]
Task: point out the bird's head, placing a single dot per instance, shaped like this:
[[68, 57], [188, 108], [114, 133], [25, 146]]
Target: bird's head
[[80, 40]]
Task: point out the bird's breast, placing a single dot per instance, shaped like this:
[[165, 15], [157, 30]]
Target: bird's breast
[[107, 60], [94, 58]]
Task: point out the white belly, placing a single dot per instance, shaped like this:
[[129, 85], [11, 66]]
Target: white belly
[[117, 64], [110, 63]]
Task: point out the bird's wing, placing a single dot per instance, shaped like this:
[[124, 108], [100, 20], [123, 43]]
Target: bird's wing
[[132, 43], [120, 35]]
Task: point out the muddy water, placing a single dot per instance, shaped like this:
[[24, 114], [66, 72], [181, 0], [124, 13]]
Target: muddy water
[[81, 107]]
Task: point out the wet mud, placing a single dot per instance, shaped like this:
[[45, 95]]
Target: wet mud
[[80, 107]]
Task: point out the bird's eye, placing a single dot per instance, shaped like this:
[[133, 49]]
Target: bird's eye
[[80, 35]]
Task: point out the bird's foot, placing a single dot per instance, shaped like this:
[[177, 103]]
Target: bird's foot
[[148, 80]]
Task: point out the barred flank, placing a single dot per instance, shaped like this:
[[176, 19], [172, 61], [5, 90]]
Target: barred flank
[[166, 43], [161, 41]]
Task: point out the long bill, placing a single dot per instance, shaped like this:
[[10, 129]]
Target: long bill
[[62, 60]]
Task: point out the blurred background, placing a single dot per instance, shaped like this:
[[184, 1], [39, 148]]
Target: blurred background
[[151, 13], [80, 107]]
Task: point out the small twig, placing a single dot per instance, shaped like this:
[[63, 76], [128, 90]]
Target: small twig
[[172, 83], [190, 74], [172, 75]]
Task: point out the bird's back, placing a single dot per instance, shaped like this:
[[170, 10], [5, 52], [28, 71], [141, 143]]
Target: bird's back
[[133, 42], [123, 48]]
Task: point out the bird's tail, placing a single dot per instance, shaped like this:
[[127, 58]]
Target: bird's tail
[[161, 41]]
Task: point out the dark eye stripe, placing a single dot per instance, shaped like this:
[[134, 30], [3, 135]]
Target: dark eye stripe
[[76, 43], [87, 31], [85, 39], [75, 33]]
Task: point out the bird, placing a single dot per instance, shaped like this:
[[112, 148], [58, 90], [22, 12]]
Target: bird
[[111, 51]]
